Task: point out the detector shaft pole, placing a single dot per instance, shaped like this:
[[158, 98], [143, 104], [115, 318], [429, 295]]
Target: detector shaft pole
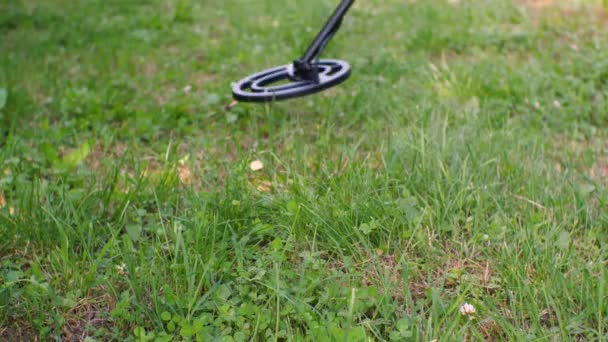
[[332, 25]]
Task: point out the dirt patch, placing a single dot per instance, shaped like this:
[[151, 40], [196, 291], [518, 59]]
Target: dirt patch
[[599, 171], [100, 153], [592, 13], [18, 331], [538, 4], [146, 67], [457, 271], [490, 330], [201, 79], [548, 318], [86, 317], [589, 157], [384, 272]]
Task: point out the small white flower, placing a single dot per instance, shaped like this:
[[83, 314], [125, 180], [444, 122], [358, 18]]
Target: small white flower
[[187, 89], [468, 310], [557, 104], [122, 269], [256, 165]]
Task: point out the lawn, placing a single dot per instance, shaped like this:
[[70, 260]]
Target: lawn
[[465, 161]]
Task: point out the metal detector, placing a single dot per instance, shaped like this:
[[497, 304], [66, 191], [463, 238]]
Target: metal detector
[[307, 75]]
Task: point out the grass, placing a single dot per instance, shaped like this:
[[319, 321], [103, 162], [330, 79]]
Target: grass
[[464, 161]]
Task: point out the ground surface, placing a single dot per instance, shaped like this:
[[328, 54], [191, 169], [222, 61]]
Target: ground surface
[[464, 161]]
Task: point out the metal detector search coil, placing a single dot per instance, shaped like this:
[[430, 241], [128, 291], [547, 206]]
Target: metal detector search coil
[[307, 75]]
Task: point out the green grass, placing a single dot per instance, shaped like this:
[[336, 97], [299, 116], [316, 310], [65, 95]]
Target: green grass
[[464, 161]]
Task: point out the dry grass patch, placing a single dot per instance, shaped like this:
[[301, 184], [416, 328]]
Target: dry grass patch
[[18, 331], [590, 11], [88, 315], [589, 157], [490, 330]]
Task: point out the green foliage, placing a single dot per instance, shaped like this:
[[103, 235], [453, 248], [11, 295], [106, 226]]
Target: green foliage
[[3, 97]]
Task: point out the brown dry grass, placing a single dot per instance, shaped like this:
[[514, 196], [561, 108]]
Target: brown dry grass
[[591, 11], [384, 271], [88, 315], [17, 332], [575, 150]]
